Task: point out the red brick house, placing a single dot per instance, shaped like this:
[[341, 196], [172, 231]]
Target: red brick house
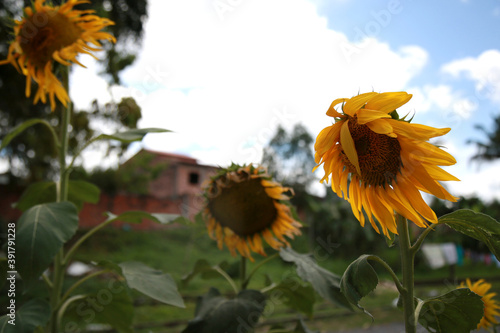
[[176, 189]]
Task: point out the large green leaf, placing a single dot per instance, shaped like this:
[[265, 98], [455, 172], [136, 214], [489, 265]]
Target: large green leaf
[[134, 216], [326, 284], [476, 225], [41, 232], [458, 311], [203, 268], [20, 128], [294, 294], [34, 313], [152, 283], [106, 304], [131, 135], [79, 191], [215, 313], [359, 280]]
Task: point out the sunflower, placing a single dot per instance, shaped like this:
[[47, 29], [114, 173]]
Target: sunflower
[[481, 288], [47, 33], [380, 163], [243, 206]]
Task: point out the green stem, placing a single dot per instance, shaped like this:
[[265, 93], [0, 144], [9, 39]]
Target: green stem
[[62, 195], [407, 259], [65, 305], [243, 273], [80, 282], [268, 288], [227, 277], [84, 238], [47, 281], [254, 270], [388, 268], [421, 239]]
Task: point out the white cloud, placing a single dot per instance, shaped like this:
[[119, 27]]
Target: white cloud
[[483, 70], [443, 99], [475, 179], [223, 85]]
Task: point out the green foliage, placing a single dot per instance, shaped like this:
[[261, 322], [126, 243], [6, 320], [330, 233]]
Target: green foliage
[[136, 175], [34, 313], [302, 328], [295, 294], [152, 283], [79, 191], [206, 271], [139, 216], [326, 283], [457, 311], [108, 303], [131, 135], [490, 150], [476, 225], [215, 313], [41, 232], [359, 280], [32, 156], [289, 159]]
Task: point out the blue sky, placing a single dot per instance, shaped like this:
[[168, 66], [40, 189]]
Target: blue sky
[[222, 74]]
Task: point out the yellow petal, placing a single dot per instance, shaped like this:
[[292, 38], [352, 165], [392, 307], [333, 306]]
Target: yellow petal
[[331, 110], [367, 115], [326, 138], [416, 131], [348, 146], [355, 103], [439, 174], [380, 126], [388, 102]]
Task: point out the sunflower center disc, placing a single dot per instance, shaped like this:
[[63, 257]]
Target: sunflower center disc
[[244, 207], [378, 155], [45, 33]]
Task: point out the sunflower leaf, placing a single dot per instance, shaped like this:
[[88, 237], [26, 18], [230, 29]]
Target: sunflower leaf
[[215, 313], [137, 216], [110, 303], [203, 268], [326, 284], [476, 225], [153, 283], [79, 191], [40, 233], [359, 280], [458, 311], [32, 314], [19, 129], [131, 135], [295, 294]]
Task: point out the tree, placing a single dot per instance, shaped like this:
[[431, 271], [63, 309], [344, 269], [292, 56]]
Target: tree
[[31, 156], [489, 150], [289, 157]]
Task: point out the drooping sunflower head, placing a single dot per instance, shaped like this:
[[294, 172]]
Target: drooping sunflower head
[[243, 206], [379, 162], [491, 307], [47, 33]]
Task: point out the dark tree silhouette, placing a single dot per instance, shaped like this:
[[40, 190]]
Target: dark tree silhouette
[[489, 150]]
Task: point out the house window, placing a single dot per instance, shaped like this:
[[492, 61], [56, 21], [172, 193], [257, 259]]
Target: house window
[[194, 178]]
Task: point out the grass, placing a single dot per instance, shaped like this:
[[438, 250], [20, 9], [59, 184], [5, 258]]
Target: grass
[[176, 250]]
